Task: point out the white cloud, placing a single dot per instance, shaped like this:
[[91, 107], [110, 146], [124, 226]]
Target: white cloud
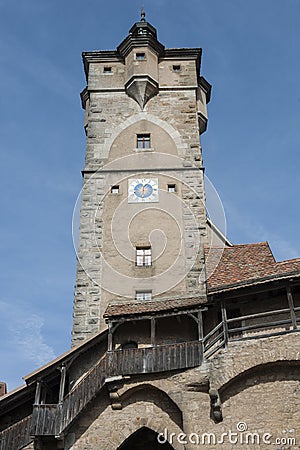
[[25, 330]]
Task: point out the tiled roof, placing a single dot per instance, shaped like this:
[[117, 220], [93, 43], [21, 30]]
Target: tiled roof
[[152, 307], [242, 265]]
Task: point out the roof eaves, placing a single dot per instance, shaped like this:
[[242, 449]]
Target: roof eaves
[[65, 357], [252, 282]]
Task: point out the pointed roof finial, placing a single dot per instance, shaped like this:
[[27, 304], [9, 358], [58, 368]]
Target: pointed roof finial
[[143, 14]]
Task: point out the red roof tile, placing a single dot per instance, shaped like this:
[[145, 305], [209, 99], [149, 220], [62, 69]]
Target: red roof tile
[[244, 264], [154, 306]]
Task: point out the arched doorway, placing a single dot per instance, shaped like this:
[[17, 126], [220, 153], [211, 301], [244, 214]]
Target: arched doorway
[[144, 439]]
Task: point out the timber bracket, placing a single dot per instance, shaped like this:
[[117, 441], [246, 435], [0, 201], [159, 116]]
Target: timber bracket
[[114, 384], [215, 405]]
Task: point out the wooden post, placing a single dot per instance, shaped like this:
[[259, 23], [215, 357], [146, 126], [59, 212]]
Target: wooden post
[[225, 324], [38, 390], [200, 326], [153, 337], [63, 373], [200, 332], [110, 338], [291, 306]]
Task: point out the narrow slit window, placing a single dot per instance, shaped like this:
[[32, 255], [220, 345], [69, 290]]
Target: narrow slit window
[[171, 187], [143, 256], [115, 189], [143, 141], [107, 70], [140, 56], [143, 295]]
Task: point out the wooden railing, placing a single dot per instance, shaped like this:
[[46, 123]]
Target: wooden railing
[[214, 341], [264, 324], [17, 436], [155, 359], [51, 420]]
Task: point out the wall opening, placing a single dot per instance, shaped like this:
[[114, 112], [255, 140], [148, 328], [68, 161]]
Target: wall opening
[[145, 439]]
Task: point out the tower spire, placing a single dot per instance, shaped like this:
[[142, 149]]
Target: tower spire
[[143, 14]]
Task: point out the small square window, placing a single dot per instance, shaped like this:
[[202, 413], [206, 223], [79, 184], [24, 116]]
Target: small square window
[[143, 295], [107, 70], [115, 189], [140, 56], [176, 68], [143, 256], [143, 141], [171, 187]]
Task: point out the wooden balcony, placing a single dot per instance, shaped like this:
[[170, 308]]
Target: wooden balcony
[[162, 358], [52, 420]]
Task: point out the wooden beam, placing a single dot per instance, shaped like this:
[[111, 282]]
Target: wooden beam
[[38, 390], [147, 316], [153, 326], [225, 324], [200, 326], [291, 306], [63, 373], [201, 333], [110, 338]]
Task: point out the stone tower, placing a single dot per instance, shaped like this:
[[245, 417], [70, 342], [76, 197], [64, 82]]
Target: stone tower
[[143, 218]]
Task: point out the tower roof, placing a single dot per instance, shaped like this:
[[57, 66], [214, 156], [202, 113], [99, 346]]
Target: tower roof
[[141, 34]]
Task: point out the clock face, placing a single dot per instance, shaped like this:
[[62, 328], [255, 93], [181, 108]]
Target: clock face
[[142, 190]]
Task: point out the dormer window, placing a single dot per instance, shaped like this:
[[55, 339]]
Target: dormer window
[[140, 56], [143, 141]]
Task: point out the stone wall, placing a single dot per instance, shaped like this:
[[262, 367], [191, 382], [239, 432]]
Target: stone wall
[[258, 382]]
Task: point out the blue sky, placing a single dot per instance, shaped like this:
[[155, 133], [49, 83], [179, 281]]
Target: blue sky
[[251, 148]]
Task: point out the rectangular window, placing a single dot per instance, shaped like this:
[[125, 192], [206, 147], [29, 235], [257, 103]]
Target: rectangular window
[[143, 141], [176, 68], [143, 295], [107, 70], [140, 56], [115, 189], [171, 187], [143, 256]]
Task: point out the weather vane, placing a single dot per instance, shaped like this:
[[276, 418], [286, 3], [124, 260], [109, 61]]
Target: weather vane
[[143, 14]]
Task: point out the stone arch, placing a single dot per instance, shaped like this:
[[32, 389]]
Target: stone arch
[[127, 436], [143, 115], [148, 393], [144, 438], [261, 374], [242, 356]]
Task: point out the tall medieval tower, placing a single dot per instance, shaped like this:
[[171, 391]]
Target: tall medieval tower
[[143, 217]]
